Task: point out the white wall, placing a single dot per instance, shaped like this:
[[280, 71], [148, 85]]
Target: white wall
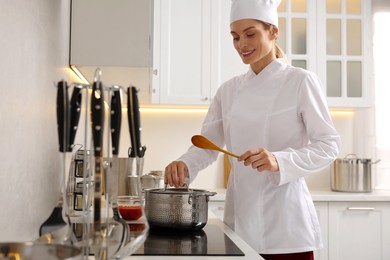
[[380, 111], [34, 52], [167, 134]]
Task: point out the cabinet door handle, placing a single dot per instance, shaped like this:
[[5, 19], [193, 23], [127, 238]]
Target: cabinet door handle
[[360, 209]]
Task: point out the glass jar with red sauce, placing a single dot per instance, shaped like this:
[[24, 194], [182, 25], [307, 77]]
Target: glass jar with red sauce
[[131, 207]]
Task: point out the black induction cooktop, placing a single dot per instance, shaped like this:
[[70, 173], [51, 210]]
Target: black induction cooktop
[[211, 240]]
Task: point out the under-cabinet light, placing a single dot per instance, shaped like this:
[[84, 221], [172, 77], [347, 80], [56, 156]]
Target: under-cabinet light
[[341, 113], [201, 110], [79, 74]]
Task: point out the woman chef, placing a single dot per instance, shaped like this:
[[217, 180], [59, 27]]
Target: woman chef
[[276, 117]]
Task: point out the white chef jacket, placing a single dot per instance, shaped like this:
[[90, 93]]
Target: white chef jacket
[[283, 110]]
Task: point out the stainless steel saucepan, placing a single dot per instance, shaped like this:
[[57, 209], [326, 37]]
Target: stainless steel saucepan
[[352, 174], [177, 208]]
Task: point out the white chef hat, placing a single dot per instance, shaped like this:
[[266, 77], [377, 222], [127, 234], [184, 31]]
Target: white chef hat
[[263, 10]]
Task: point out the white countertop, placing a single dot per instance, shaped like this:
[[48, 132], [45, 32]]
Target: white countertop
[[329, 195]]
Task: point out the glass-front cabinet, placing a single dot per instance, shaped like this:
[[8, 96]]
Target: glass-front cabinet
[[296, 32], [333, 39], [345, 60]]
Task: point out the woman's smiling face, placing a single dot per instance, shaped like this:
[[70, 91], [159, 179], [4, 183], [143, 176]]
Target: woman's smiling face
[[253, 41]]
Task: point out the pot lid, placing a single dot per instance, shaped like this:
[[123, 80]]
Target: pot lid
[[174, 191], [352, 158], [183, 191]]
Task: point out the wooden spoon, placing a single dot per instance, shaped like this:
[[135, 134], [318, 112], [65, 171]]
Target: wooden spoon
[[204, 143]]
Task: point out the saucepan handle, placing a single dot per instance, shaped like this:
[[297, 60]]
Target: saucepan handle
[[185, 186]]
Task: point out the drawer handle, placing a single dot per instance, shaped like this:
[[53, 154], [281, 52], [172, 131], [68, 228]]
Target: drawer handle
[[360, 209]]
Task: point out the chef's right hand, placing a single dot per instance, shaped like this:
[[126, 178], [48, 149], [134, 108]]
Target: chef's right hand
[[175, 174]]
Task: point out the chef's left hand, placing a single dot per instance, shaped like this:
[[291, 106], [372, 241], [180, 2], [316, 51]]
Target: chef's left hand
[[260, 159]]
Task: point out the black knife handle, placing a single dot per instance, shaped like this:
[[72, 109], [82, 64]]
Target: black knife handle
[[75, 108], [62, 115], [134, 120], [116, 119], [130, 121], [97, 117]]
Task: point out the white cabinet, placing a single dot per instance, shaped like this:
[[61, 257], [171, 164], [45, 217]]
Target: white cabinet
[[354, 230], [193, 51], [182, 52], [322, 214], [359, 230], [111, 33], [333, 39], [226, 63], [116, 37], [345, 51], [194, 54]]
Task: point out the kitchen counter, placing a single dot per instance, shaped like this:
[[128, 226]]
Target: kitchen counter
[[317, 195], [212, 219], [329, 195]]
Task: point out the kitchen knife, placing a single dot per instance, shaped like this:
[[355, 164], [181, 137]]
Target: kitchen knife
[[63, 115], [116, 119], [134, 119], [115, 125], [75, 108], [97, 117]]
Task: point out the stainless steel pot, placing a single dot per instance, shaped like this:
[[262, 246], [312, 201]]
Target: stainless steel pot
[[38, 251], [152, 180], [352, 174], [177, 208]]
